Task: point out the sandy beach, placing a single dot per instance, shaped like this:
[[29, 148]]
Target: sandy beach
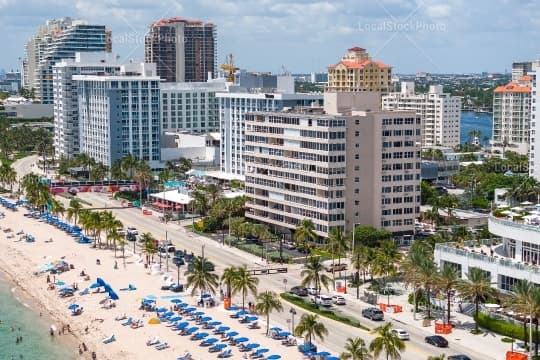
[[21, 261]]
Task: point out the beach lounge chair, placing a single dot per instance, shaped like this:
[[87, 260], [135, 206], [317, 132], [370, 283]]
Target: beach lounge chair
[[84, 292], [152, 341], [109, 339], [187, 356], [225, 354], [128, 321], [162, 346], [254, 325], [120, 317], [217, 347]]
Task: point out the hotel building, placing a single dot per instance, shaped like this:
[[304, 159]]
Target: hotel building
[[120, 115]]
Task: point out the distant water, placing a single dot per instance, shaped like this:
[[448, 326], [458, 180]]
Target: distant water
[[476, 121], [37, 344]]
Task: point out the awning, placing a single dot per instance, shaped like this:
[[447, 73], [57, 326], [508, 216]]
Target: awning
[[161, 205]]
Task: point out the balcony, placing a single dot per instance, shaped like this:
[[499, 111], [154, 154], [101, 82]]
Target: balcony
[[514, 230]]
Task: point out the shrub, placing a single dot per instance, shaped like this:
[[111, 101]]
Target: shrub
[[503, 327]]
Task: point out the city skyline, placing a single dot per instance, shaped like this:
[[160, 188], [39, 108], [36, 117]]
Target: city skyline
[[303, 36]]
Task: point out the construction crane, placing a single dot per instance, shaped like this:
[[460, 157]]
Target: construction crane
[[229, 67]]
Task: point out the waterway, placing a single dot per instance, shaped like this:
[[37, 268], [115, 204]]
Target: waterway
[[471, 120]]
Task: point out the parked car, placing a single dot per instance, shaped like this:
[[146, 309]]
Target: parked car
[[179, 254], [323, 300], [458, 357], [289, 245], [312, 291], [338, 300], [388, 291], [401, 334], [207, 265], [299, 291], [373, 313], [520, 347], [336, 267], [436, 340], [132, 230]]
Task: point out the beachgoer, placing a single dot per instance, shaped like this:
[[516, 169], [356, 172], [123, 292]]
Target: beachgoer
[[84, 347], [115, 265], [86, 331], [51, 331], [80, 350], [48, 279], [94, 356]]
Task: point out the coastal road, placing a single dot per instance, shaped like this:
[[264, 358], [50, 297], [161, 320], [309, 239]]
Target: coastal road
[[223, 256]]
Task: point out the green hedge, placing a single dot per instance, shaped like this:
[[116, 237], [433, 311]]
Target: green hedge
[[322, 312], [503, 327], [273, 255]]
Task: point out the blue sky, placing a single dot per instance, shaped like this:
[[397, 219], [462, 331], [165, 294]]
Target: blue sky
[[301, 35]]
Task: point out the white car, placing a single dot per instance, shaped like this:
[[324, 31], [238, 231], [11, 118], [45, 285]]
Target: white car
[[520, 347], [132, 230], [323, 300], [312, 291], [401, 334], [338, 300]]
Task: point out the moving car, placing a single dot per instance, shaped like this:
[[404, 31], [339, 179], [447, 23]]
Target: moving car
[[401, 334], [373, 313], [299, 291], [436, 340], [338, 300], [323, 300], [458, 357], [132, 230]]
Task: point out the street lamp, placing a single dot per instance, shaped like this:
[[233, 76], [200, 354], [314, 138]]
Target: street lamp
[[353, 251], [292, 311]]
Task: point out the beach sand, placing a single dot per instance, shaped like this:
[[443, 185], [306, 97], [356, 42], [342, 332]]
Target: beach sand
[[21, 261]]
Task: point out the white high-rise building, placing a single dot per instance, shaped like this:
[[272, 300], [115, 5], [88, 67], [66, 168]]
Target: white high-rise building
[[234, 104], [66, 107], [440, 112], [534, 153], [512, 116], [119, 114], [191, 106]]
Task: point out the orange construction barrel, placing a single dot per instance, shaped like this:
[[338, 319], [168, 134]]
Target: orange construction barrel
[[227, 303]]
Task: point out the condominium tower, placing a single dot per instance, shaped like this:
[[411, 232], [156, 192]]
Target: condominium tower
[[119, 114], [234, 104], [66, 100], [183, 50], [57, 40], [512, 116], [191, 106], [356, 71], [336, 169], [534, 153], [440, 112]]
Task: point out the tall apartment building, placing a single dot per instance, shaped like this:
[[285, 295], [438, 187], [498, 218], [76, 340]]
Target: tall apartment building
[[119, 114], [57, 40], [512, 115], [234, 104], [66, 100], [337, 169], [440, 112], [191, 106], [183, 50], [520, 69], [356, 71], [534, 150]]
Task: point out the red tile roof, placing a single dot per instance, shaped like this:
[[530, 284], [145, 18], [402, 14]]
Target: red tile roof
[[360, 64], [356, 48], [512, 87]]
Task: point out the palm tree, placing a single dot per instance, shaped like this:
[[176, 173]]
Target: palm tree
[[117, 171], [213, 191], [355, 349], [386, 342], [446, 281], [244, 282], [74, 210], [310, 328], [361, 258], [149, 247], [476, 288], [437, 357], [143, 176], [525, 298], [227, 278], [184, 165], [37, 192], [313, 273], [200, 278], [129, 164], [122, 242], [200, 202], [267, 302], [116, 237], [385, 261], [411, 266], [305, 232], [57, 207], [337, 244]]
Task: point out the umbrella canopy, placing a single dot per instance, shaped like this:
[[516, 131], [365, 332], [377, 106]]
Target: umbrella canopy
[[220, 346], [183, 305], [197, 313], [73, 306], [190, 309], [323, 353], [167, 314], [211, 341], [261, 351], [252, 346], [176, 301], [113, 295], [150, 297], [100, 282], [60, 283], [215, 323], [273, 357], [241, 312], [154, 321], [94, 285], [231, 333], [202, 335], [242, 339], [251, 318], [161, 310], [223, 328], [206, 319], [284, 333], [176, 318], [182, 325], [332, 358]]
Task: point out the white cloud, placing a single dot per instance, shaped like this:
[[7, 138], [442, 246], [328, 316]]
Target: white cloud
[[6, 3], [438, 10]]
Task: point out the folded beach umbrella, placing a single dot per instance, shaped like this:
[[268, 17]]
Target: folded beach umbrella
[[73, 306], [154, 321], [273, 357], [275, 328]]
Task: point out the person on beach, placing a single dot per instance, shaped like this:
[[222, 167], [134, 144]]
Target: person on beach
[[84, 347]]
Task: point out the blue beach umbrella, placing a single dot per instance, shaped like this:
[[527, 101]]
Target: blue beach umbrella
[[189, 310], [100, 282], [275, 328], [261, 351], [241, 339], [231, 333], [273, 357], [150, 297], [162, 310], [113, 295], [218, 347], [251, 318], [176, 301], [197, 313], [183, 305], [60, 283], [223, 328], [73, 306], [323, 353], [206, 319], [241, 312], [176, 318], [215, 323], [332, 358], [252, 346]]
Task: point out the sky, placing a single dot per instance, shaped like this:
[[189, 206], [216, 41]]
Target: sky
[[450, 36]]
